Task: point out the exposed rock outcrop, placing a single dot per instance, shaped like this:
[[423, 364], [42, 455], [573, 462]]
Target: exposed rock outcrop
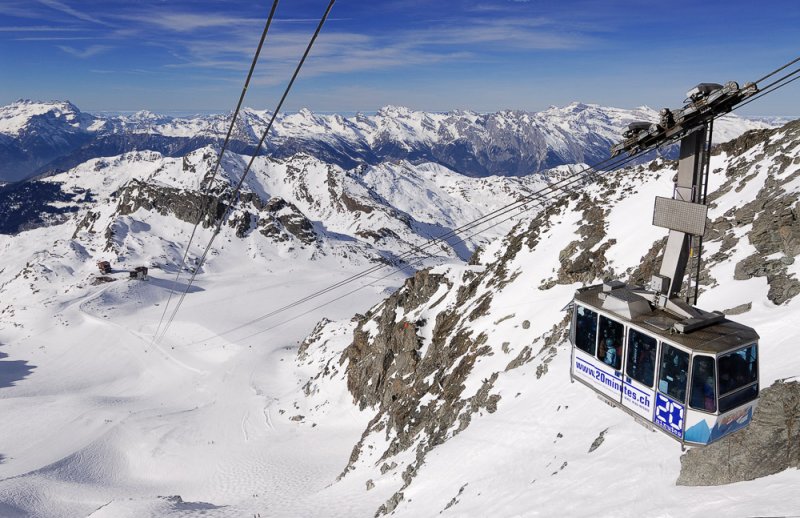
[[770, 444], [188, 206], [772, 215], [282, 219], [411, 359]]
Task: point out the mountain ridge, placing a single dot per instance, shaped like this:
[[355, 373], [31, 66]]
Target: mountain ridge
[[507, 142]]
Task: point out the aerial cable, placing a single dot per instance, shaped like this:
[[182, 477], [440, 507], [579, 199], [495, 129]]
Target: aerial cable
[[581, 176], [521, 210], [411, 264], [207, 189], [772, 87], [415, 249], [790, 74], [233, 196], [787, 65], [539, 197], [569, 181], [587, 172]]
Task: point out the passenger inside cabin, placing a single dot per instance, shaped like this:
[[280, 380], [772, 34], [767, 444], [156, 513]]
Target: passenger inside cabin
[[679, 392], [641, 364], [587, 330], [703, 389], [648, 362], [612, 334], [611, 352], [674, 365], [725, 377], [708, 392]]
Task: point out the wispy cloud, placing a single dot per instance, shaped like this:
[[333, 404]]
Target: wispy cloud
[[70, 11], [279, 20], [17, 10], [187, 22], [88, 52], [506, 33], [341, 52], [135, 71], [204, 37], [56, 38], [39, 28]]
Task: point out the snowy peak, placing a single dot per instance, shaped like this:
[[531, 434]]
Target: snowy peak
[[19, 117], [508, 143], [132, 206]]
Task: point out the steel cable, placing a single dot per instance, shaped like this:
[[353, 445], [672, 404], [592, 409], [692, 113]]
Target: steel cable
[[488, 217], [551, 188], [232, 196], [207, 189]]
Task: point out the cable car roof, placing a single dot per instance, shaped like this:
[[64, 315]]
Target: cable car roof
[[715, 338]]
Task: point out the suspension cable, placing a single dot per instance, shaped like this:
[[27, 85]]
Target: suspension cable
[[550, 189], [232, 197], [207, 189], [519, 204], [787, 65], [521, 210], [771, 88]]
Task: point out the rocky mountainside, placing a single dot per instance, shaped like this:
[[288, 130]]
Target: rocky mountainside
[[468, 365], [76, 341], [38, 137]]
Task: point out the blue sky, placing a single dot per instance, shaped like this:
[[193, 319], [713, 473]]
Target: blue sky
[[431, 55]]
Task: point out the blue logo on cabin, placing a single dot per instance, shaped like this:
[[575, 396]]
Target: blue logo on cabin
[[597, 375], [669, 415]]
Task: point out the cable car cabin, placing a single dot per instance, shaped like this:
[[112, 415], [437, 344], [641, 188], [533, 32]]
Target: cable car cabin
[[697, 386], [691, 373]]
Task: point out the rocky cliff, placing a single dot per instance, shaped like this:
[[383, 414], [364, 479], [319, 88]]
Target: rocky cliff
[[769, 445]]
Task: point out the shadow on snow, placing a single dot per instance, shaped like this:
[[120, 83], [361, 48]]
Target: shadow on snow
[[11, 372]]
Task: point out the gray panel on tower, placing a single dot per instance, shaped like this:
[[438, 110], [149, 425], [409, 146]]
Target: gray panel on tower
[[679, 215]]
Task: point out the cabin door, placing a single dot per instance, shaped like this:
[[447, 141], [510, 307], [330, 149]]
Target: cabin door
[[638, 392]]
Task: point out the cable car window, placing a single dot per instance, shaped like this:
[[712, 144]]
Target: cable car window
[[641, 364], [585, 329], [609, 351], [672, 378], [738, 378], [703, 384]]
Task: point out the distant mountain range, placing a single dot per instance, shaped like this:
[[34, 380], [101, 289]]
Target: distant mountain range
[[44, 137]]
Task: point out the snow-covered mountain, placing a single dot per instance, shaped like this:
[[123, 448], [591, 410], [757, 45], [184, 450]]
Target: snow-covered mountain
[[451, 395], [463, 373], [299, 224], [139, 208], [34, 134], [38, 137]]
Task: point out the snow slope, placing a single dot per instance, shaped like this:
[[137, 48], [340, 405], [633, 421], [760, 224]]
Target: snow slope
[[218, 421], [99, 418]]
